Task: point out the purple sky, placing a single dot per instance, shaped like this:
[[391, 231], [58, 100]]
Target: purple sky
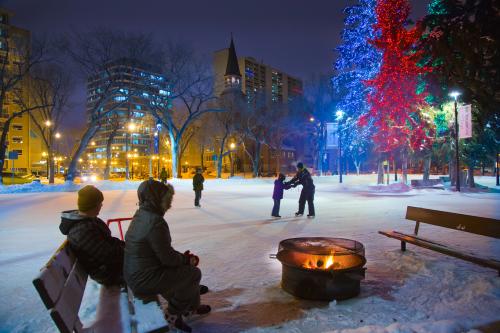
[[295, 36]]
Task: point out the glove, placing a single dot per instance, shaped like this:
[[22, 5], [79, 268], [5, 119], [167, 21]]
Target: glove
[[191, 259]]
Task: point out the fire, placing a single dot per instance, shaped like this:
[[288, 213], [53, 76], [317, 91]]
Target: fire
[[321, 262]]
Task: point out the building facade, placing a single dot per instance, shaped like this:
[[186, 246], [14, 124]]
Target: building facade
[[130, 133], [23, 141]]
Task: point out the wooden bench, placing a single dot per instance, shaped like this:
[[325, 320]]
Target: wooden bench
[[430, 183], [476, 225], [61, 284]]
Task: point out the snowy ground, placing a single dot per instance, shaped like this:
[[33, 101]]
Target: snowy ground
[[419, 291]]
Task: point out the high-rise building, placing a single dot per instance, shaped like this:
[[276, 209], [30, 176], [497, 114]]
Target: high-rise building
[[130, 130], [255, 77], [22, 139]]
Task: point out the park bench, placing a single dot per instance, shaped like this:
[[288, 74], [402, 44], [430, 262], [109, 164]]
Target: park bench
[[473, 224], [61, 284]]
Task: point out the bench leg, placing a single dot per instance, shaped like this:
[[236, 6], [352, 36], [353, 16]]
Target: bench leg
[[403, 246]]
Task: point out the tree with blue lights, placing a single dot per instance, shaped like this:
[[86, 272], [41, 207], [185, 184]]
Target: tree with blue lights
[[357, 61]]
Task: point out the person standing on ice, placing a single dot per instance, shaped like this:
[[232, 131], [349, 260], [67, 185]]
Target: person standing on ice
[[163, 175], [90, 238], [303, 177], [279, 186], [198, 181], [152, 266]]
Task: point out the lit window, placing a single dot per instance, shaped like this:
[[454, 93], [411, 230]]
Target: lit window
[[17, 127], [120, 98], [138, 107], [17, 139]]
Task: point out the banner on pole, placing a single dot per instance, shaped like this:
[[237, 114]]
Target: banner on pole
[[331, 136], [465, 122]]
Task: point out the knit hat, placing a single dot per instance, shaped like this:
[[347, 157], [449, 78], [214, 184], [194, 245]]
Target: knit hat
[[89, 197], [300, 165]]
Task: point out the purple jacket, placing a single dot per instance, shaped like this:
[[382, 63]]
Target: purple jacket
[[278, 189]]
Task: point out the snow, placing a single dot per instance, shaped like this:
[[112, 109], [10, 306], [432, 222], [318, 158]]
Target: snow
[[416, 291]]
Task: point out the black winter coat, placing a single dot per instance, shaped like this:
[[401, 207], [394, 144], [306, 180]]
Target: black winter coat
[[99, 253], [303, 177], [198, 180]]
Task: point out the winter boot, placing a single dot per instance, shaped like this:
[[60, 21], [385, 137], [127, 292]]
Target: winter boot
[[310, 216], [299, 214], [203, 289], [176, 321], [202, 309]]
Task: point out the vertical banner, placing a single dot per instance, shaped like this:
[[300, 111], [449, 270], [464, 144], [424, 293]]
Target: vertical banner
[[157, 139], [465, 122], [331, 136]]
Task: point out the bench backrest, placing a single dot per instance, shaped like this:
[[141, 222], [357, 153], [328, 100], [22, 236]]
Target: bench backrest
[[473, 224], [61, 284]]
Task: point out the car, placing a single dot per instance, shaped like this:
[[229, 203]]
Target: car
[[88, 177]]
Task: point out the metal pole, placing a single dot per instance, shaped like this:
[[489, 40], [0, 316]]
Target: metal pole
[[457, 161], [340, 155], [498, 174]]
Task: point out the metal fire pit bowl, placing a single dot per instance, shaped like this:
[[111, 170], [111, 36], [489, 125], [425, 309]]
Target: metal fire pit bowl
[[321, 268]]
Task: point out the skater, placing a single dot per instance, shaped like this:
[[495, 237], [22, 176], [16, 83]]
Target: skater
[[152, 266], [163, 175], [198, 186], [90, 239], [279, 186], [303, 177]]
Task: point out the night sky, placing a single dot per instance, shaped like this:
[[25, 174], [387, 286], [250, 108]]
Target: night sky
[[295, 36]]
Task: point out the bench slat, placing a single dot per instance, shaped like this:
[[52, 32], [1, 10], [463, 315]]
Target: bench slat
[[65, 312], [474, 224], [485, 262], [53, 275]]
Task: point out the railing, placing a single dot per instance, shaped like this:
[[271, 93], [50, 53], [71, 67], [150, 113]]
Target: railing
[[119, 222]]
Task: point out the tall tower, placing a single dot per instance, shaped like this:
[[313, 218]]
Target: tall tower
[[232, 77]]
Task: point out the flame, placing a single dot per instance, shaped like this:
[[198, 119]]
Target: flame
[[321, 262]]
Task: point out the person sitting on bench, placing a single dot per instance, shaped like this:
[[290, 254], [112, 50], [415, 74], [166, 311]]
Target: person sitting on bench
[[100, 254], [153, 266]]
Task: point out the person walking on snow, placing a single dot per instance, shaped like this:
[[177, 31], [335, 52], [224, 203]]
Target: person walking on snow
[[90, 239], [163, 175], [303, 177], [279, 186], [152, 266], [198, 181]]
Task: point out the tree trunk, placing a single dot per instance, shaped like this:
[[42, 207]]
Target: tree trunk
[[231, 165], [427, 167], [89, 134], [202, 157], [395, 169], [109, 154], [404, 167], [380, 171], [470, 176], [453, 173], [175, 156], [50, 162], [357, 164], [256, 159], [3, 146]]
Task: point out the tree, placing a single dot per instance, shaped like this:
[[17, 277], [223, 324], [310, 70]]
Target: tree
[[17, 59], [319, 95], [394, 102], [358, 61], [51, 88], [191, 95], [97, 53], [461, 42]]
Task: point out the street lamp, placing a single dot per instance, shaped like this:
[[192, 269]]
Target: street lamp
[[48, 123], [455, 95], [339, 115], [232, 147]]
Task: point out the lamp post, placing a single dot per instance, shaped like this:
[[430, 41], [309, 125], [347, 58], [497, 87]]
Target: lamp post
[[232, 147], [57, 136], [455, 95], [339, 115], [131, 128]]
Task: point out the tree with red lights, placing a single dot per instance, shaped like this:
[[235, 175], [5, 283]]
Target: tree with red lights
[[395, 104]]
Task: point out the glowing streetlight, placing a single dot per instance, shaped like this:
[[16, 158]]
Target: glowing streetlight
[[131, 127], [311, 119], [57, 135], [48, 123], [93, 143], [232, 145], [455, 95]]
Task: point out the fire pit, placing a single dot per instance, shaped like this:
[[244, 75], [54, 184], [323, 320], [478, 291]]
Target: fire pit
[[321, 268]]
